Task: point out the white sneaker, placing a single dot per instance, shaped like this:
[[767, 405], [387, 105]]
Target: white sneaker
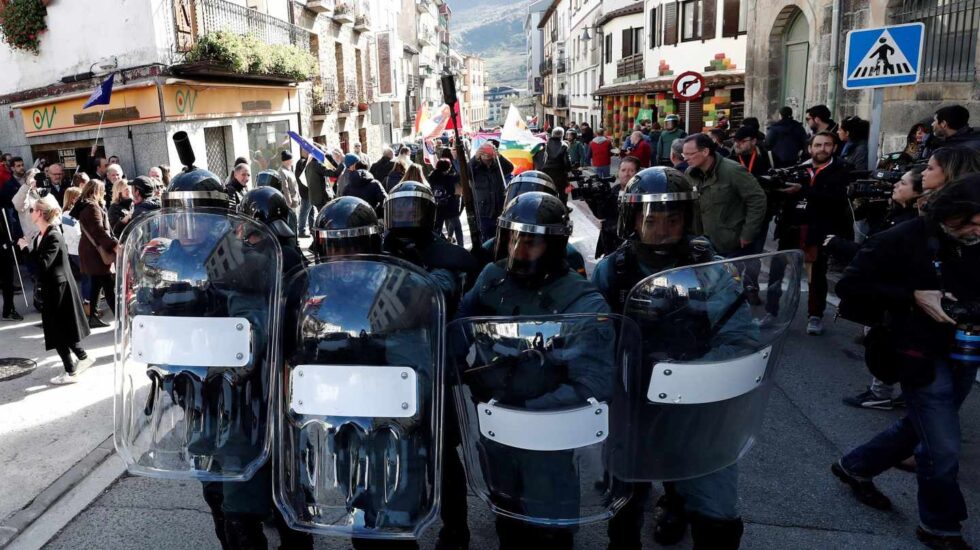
[[83, 364], [63, 378], [814, 326]]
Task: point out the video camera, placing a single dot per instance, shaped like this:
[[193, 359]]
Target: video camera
[[779, 178], [591, 188], [878, 184]]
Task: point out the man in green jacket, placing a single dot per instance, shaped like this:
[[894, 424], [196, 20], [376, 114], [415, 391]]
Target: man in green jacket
[[733, 205], [672, 131]]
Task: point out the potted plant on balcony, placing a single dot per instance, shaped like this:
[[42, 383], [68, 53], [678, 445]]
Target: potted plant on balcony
[[343, 13], [224, 53], [22, 22], [363, 106]]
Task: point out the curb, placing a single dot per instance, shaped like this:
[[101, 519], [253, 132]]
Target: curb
[[27, 517]]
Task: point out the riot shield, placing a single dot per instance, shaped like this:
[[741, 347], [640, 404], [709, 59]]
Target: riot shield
[[196, 344], [534, 397], [711, 339], [359, 433]]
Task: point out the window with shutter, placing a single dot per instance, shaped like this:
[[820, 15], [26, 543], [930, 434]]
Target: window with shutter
[[627, 42], [732, 14], [690, 21], [608, 48], [710, 16], [670, 23], [652, 39]]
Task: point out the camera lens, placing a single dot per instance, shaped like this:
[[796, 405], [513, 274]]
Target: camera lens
[[966, 347]]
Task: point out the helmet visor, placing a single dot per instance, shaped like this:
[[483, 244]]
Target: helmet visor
[[409, 210], [528, 254], [654, 223], [331, 243]]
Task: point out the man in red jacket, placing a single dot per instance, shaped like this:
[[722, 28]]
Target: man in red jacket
[[639, 148], [601, 149]]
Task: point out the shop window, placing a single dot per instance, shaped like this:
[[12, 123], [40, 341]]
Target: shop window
[[265, 141]]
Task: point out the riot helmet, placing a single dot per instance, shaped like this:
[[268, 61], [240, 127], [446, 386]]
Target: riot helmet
[[195, 188], [346, 225], [656, 210], [532, 235], [410, 209], [268, 205], [530, 180], [269, 178]]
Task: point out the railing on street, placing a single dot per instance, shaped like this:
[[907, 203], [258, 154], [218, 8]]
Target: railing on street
[[207, 16], [630, 66]]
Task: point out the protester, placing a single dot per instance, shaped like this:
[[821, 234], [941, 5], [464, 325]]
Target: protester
[[121, 208], [556, 162], [55, 182], [23, 201], [62, 317], [237, 184], [445, 187], [9, 233], [489, 171], [906, 277], [414, 173], [384, 165], [671, 131], [732, 203], [96, 247], [601, 153], [677, 155], [290, 188], [951, 125], [586, 135], [318, 178], [144, 197], [786, 139], [79, 179], [72, 231], [853, 132], [397, 173], [576, 151], [361, 184], [114, 173], [640, 149]]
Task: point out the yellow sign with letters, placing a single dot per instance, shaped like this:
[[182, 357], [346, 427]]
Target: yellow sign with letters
[[186, 101], [128, 107]]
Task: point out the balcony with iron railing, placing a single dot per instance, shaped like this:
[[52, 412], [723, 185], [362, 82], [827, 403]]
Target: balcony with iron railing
[[208, 16], [562, 101], [324, 97], [629, 68], [545, 67], [549, 100], [560, 67]]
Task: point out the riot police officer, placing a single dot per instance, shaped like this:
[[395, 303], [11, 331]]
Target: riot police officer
[[344, 226], [657, 220], [527, 181], [533, 278], [409, 213], [268, 205]]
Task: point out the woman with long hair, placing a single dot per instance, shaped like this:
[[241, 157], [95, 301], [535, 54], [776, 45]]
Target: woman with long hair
[[944, 166], [414, 173], [397, 173], [97, 241], [915, 142], [853, 133], [121, 208], [62, 317]]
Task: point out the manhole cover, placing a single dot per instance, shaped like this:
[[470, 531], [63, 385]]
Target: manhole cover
[[15, 367]]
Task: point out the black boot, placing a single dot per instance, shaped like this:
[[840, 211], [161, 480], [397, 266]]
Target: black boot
[[244, 532], [670, 517], [95, 322], [716, 534]]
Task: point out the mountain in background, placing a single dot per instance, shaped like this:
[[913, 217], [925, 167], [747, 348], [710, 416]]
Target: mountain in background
[[495, 32]]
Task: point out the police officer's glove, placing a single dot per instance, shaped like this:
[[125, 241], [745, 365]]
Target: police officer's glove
[[701, 250]]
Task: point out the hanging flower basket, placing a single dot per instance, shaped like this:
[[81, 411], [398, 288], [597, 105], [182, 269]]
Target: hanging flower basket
[[22, 22]]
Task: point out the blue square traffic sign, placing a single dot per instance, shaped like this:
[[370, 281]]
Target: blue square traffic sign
[[883, 56]]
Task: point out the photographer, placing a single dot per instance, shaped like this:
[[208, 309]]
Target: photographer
[[821, 208], [746, 151], [919, 280], [608, 210]]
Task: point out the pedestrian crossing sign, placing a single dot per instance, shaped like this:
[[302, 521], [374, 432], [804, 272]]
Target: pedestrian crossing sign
[[883, 56]]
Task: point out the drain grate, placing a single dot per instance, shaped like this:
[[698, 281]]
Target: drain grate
[[15, 367]]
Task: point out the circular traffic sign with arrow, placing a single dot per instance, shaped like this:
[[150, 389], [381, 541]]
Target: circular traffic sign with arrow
[[689, 86]]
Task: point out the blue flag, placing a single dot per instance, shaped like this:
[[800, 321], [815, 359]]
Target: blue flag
[[102, 95], [308, 146]]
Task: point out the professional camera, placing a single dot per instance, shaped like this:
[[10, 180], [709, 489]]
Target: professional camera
[[591, 188], [964, 313], [779, 178], [871, 189]]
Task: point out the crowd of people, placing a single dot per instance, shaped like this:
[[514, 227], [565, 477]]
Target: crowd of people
[[735, 190]]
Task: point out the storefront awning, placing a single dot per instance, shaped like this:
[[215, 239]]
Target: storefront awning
[[663, 84]]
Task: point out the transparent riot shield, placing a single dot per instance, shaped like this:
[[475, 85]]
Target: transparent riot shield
[[359, 433], [534, 397], [711, 339], [196, 344]]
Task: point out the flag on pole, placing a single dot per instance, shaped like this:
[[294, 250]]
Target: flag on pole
[[517, 143], [308, 146], [435, 126], [420, 117], [102, 95]]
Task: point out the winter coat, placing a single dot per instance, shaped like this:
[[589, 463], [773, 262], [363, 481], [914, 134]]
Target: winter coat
[[786, 138], [290, 189], [236, 194], [855, 154], [118, 211], [145, 207], [488, 186], [300, 172], [95, 222], [844, 250], [444, 188], [382, 168], [644, 152], [576, 153], [557, 163], [964, 137], [361, 184], [601, 149], [667, 138], [321, 191], [732, 204], [23, 201], [62, 316], [886, 272]]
